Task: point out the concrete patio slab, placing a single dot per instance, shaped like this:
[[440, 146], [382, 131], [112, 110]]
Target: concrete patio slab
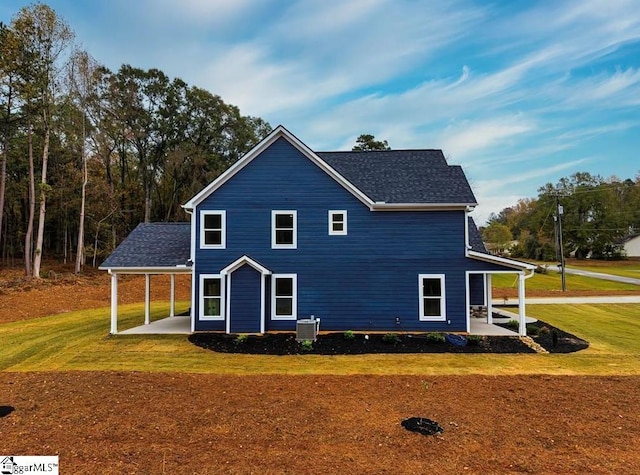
[[479, 326], [178, 325]]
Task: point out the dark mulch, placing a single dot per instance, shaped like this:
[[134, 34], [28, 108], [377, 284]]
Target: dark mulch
[[357, 344], [555, 340]]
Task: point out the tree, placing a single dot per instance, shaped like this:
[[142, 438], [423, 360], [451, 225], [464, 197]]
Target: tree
[[82, 77], [44, 37], [367, 142], [8, 114], [498, 235]]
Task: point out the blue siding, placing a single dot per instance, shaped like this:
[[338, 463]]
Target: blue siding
[[476, 289], [361, 281], [245, 300]]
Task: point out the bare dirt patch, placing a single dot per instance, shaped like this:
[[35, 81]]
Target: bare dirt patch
[[138, 423]]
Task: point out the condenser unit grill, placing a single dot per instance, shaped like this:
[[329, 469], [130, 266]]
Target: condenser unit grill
[[307, 329]]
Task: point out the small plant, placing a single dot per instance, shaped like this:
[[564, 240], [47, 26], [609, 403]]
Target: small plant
[[544, 330], [474, 340], [513, 325], [435, 338], [349, 335], [391, 338], [306, 345], [532, 330], [242, 338], [425, 385]]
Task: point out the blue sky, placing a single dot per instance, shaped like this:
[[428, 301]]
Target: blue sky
[[518, 93]]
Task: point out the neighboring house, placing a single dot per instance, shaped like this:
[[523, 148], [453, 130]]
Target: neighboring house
[[365, 241], [631, 245]]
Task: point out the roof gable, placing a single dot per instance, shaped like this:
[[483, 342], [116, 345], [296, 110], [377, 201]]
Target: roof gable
[[277, 133]]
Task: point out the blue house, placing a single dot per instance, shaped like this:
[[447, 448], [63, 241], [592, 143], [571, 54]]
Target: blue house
[[364, 241]]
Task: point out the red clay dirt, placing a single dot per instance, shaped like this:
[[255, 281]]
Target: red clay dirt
[[141, 423], [137, 423]]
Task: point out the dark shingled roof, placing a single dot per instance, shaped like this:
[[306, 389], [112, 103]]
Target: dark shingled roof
[[403, 176], [475, 239], [153, 245]]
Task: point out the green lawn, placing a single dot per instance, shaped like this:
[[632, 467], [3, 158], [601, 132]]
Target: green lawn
[[553, 281], [80, 341], [627, 270]]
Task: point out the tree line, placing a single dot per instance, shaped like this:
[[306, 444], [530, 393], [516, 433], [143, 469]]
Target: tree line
[[87, 153], [595, 214]]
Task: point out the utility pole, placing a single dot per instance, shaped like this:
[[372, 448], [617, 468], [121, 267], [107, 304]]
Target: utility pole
[[560, 212]]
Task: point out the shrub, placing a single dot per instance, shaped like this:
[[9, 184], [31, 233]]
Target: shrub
[[435, 337], [532, 330], [543, 330], [306, 345], [474, 340], [513, 325], [349, 335], [391, 338], [242, 338]]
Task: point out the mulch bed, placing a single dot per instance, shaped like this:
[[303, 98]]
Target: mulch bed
[[357, 344]]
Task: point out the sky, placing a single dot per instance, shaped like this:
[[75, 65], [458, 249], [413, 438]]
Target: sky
[[519, 94]]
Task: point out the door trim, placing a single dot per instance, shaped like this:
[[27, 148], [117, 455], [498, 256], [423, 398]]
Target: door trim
[[228, 271]]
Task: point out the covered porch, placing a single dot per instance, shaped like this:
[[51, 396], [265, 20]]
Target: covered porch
[[152, 249], [480, 309]]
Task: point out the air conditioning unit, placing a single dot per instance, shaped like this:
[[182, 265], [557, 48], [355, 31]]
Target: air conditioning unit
[[307, 329]]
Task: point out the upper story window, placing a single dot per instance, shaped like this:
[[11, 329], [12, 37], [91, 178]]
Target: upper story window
[[213, 230], [284, 230], [337, 222], [432, 297]]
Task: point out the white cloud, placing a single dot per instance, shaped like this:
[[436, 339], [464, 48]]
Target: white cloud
[[470, 137]]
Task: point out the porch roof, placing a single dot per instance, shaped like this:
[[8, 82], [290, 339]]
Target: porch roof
[[160, 247]]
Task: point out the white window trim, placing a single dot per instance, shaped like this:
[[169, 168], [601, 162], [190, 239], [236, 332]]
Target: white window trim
[[332, 213], [276, 212], [223, 230], [294, 305], [201, 315], [443, 301]]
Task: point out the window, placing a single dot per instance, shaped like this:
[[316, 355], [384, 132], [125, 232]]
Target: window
[[284, 296], [283, 230], [213, 229], [432, 297], [211, 301], [337, 223]]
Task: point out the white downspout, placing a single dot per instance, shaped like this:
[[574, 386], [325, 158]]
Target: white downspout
[[192, 252]]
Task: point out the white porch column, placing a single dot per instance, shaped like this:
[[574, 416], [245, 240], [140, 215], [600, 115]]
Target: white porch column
[[522, 315], [114, 304], [147, 299], [489, 297], [172, 311]]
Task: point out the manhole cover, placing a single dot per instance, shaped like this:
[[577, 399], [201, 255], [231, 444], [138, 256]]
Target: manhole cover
[[422, 426], [5, 410]]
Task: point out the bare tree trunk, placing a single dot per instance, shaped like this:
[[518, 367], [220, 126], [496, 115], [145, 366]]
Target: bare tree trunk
[[37, 260], [3, 179], [28, 238], [85, 179], [5, 156]]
